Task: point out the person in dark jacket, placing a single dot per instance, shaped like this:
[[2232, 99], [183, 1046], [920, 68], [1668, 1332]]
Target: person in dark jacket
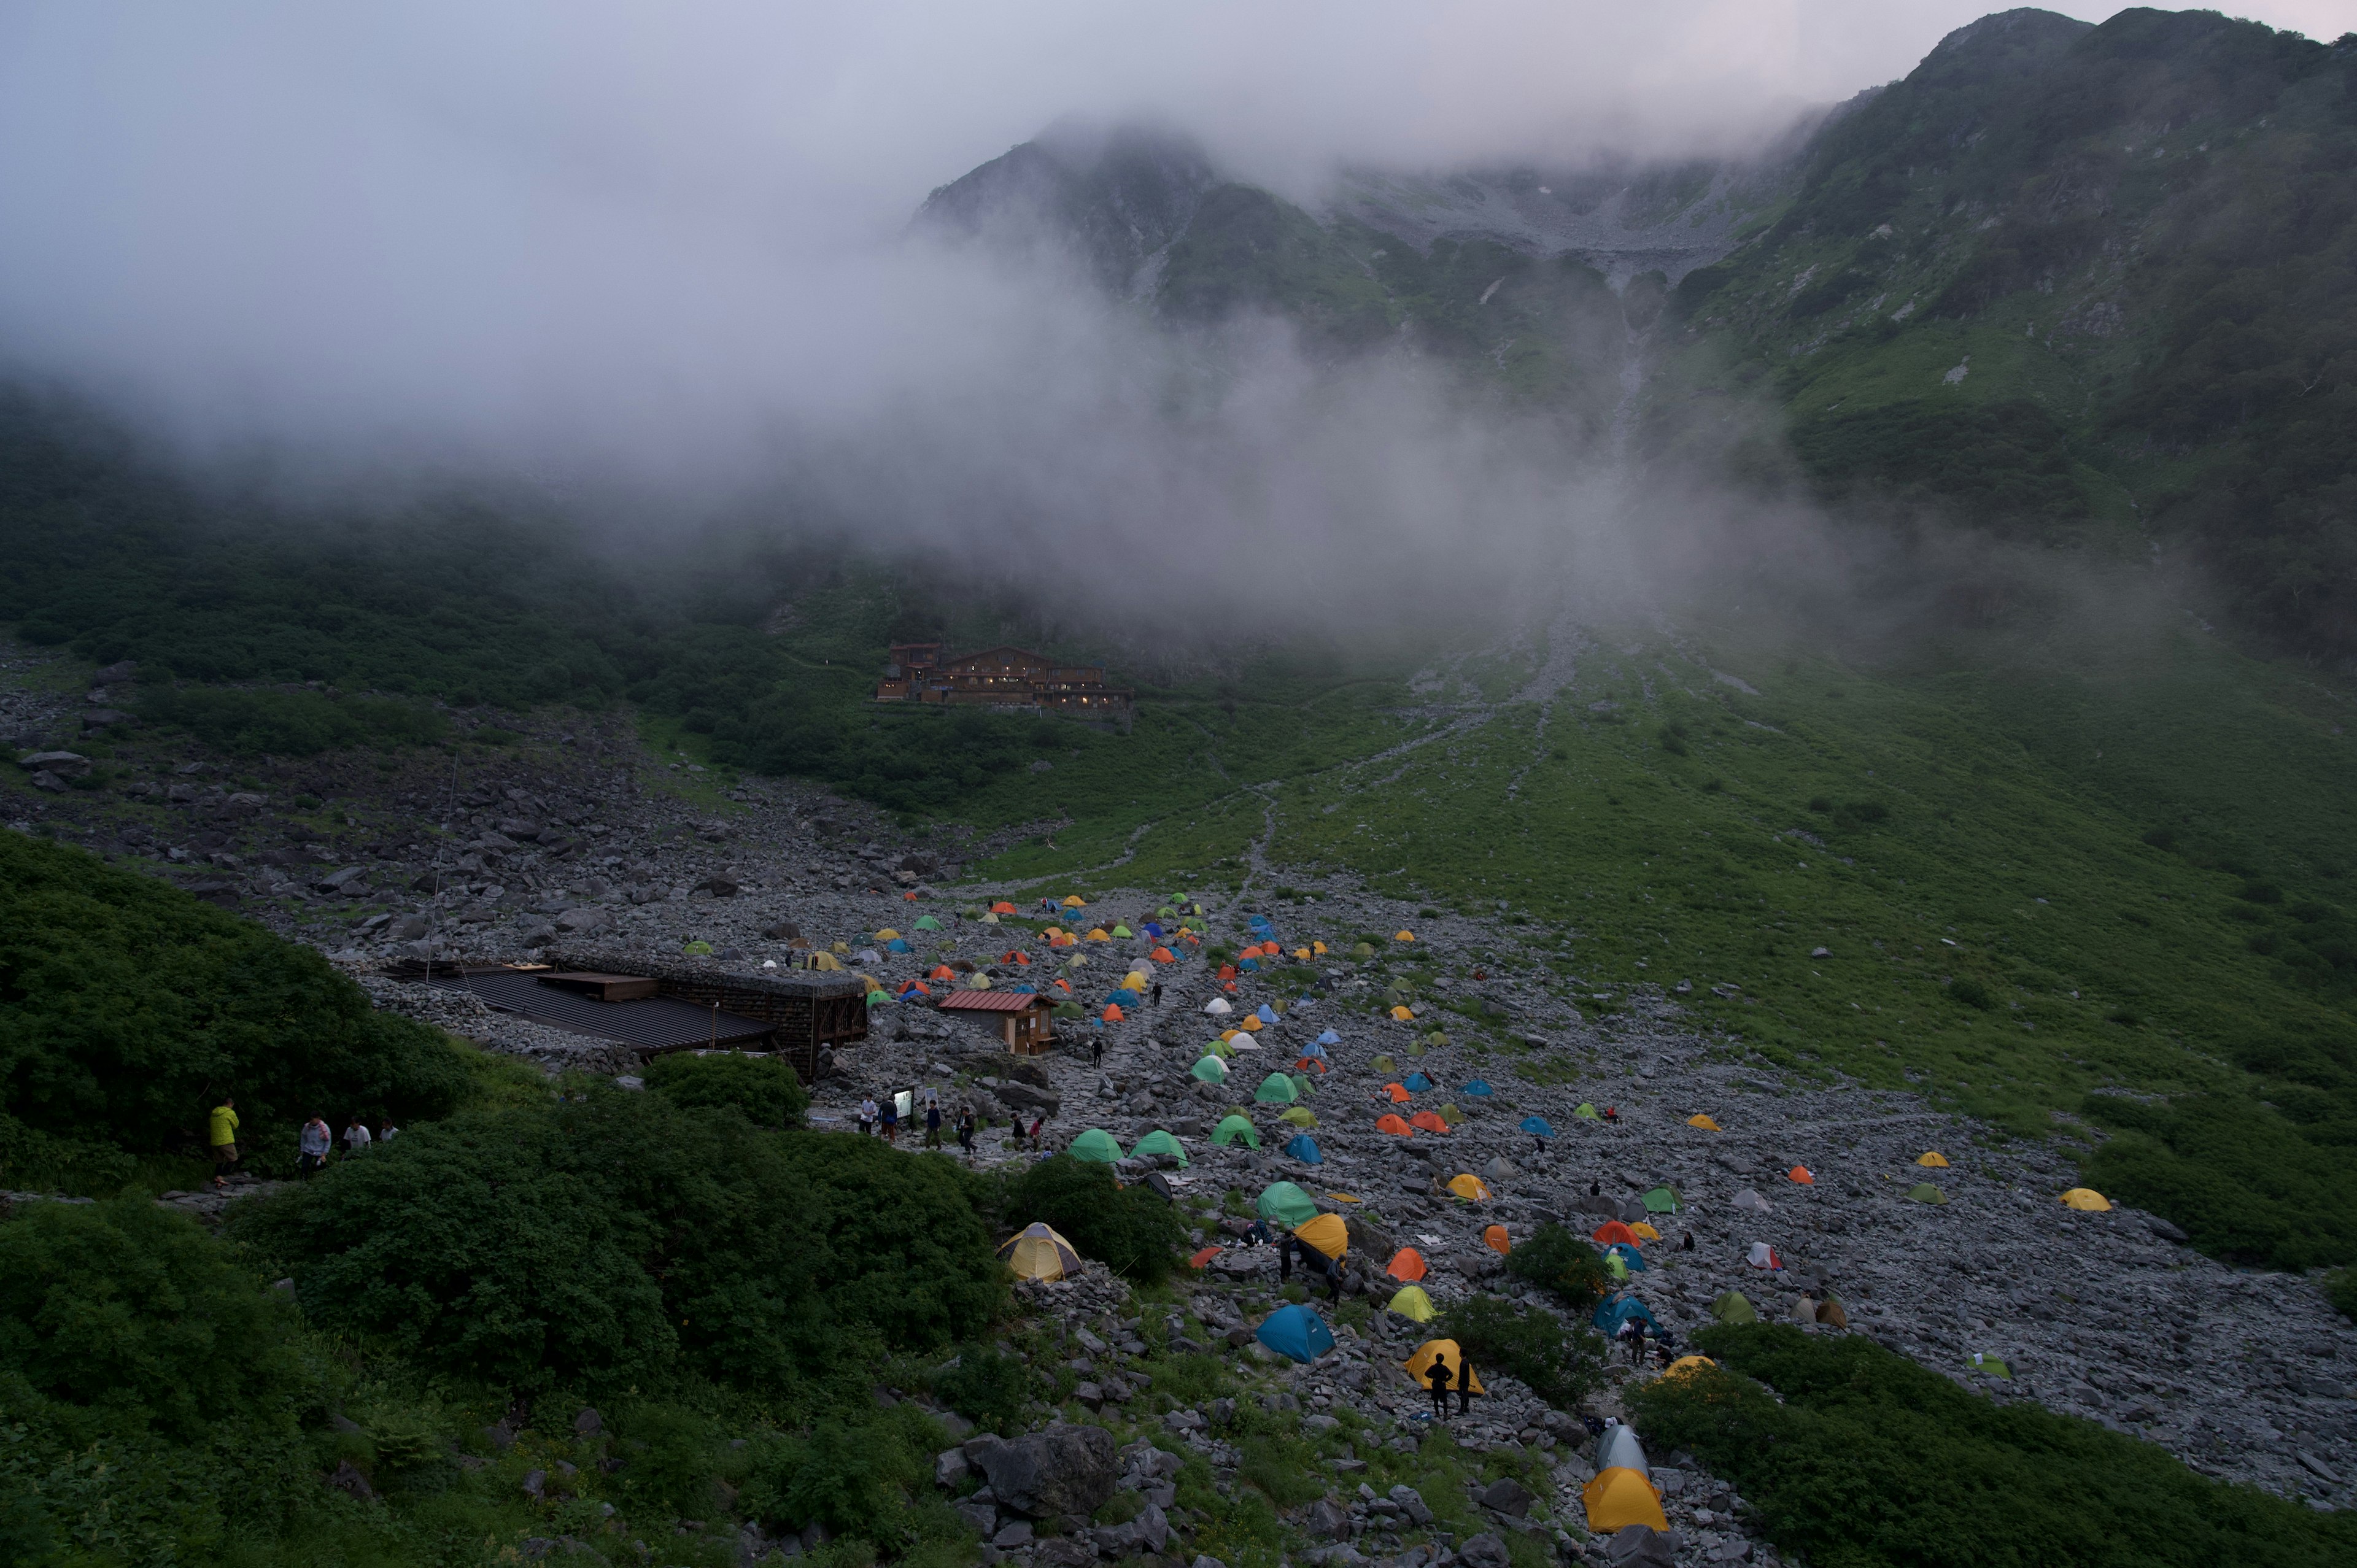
[[965, 1130], [1435, 1378], [934, 1124]]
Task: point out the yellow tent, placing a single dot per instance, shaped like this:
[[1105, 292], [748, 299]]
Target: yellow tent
[[1414, 1305], [1620, 1498], [1933, 1158], [1137, 982], [1421, 1362], [1037, 1252], [1707, 1126], [1644, 1233], [1318, 948], [1402, 1013], [1097, 934], [824, 960], [1471, 1187], [1404, 935], [887, 934], [1686, 1364], [2087, 1199], [1252, 1025], [1074, 901], [1327, 1234], [1301, 953], [843, 949]]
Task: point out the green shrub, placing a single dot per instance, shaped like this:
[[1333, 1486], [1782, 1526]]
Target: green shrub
[[1128, 1228], [1558, 1261], [1870, 1459], [613, 1237], [988, 1387], [1971, 992], [128, 1009], [853, 1476], [1528, 1344], [2340, 1288], [764, 1087], [291, 723]]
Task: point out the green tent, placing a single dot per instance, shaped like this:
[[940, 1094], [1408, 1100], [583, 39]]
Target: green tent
[[1364, 950], [1300, 1116], [1587, 1111], [927, 923], [1384, 1065], [1416, 1047], [1160, 1142], [1122, 931], [1991, 1365], [878, 999], [1234, 1129], [1924, 1192], [1302, 1088], [1436, 1037], [1286, 1205], [1662, 1201], [1069, 1010], [1732, 1306], [1220, 1048], [1275, 1089], [1097, 1146], [1168, 912], [1211, 1070], [1450, 1114]]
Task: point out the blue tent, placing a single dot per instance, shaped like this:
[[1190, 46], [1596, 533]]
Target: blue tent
[[1314, 1051], [1536, 1126], [898, 944], [1267, 1013], [1025, 989], [1304, 1148], [1474, 1086], [1247, 964], [1296, 1333], [1258, 922], [1610, 1314], [1632, 1259], [1416, 1083], [1152, 929], [1124, 996], [1329, 1038]]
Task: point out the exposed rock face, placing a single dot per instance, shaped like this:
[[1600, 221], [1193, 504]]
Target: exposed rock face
[[1062, 1470]]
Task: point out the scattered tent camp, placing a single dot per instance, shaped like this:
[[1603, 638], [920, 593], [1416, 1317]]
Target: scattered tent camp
[[1431, 1350], [1037, 1252], [1304, 1148], [1470, 1187], [1801, 1173], [1662, 1201], [1329, 1233], [1924, 1192], [1610, 1314], [1218, 1006], [1407, 1263], [1428, 1122], [1299, 1116], [1733, 1307], [1161, 1142], [1096, 1144], [1612, 1230], [1413, 1304], [1394, 1126], [1296, 1333], [2087, 1201], [1498, 1242], [1933, 1158], [1277, 1089], [1704, 1123], [1763, 1256], [1587, 1113], [1537, 1127], [1631, 1258], [1211, 1070], [1751, 1201], [1477, 1087], [1418, 1083], [1286, 1205], [1234, 1129]]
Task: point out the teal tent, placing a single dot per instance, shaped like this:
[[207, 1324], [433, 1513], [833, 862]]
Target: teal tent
[[1096, 1145], [1304, 1148], [1160, 1142], [1286, 1205], [1275, 1089], [1296, 1333]]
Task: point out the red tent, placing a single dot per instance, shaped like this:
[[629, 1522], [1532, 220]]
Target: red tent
[[1113, 1013], [1394, 1126], [1407, 1265], [1397, 1091], [1429, 1121], [1612, 1230]]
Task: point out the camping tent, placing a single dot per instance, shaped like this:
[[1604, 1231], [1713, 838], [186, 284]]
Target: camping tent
[[1749, 1199], [1304, 1148], [1413, 1304], [1328, 1232], [1296, 1333], [1611, 1314], [1403, 1014], [1407, 1264], [1037, 1252], [1004, 907], [1285, 1205], [1612, 1230], [1620, 1495], [1536, 1126], [1662, 1201], [1394, 1126], [1924, 1192], [1631, 1258], [1469, 1187], [927, 923], [1476, 1087], [1265, 1014], [1704, 1123], [1096, 1144], [1644, 1233], [1803, 1174], [1313, 1052], [1383, 1064], [1686, 1366], [1233, 1128], [1428, 1122], [1159, 1186], [1396, 1094], [1211, 1070], [1329, 1038], [1275, 1089], [2086, 1200], [1217, 1007], [1733, 1307], [1299, 1116], [1431, 1350], [1497, 1241], [1763, 1256], [1418, 1083], [1587, 1113], [1160, 1141]]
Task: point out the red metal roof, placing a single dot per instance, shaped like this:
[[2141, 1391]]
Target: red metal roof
[[990, 1001]]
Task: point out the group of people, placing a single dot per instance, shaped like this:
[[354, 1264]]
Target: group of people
[[312, 1146], [883, 1120]]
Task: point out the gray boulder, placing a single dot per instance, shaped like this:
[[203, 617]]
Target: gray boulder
[[1062, 1470], [1329, 1520], [1639, 1546], [1510, 1497], [58, 762], [1485, 1550], [574, 922]]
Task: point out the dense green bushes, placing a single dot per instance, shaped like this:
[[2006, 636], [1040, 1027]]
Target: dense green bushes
[[1557, 1260], [128, 1009], [605, 1238], [1870, 1459], [1526, 1343], [2243, 1181], [1128, 1228], [764, 1088], [291, 723]]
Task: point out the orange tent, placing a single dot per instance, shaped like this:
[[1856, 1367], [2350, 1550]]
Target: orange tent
[[1227, 971], [1163, 955], [1495, 1238], [1203, 1257], [1801, 1173], [1394, 1126], [1618, 1498], [1004, 907], [943, 971], [1309, 1064], [1397, 1091], [1113, 1013], [1429, 1121], [1612, 1230], [1064, 985], [1407, 1264]]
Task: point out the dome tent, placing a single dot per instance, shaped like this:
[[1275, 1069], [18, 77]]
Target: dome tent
[[2087, 1201], [1932, 1158], [1328, 1232], [1413, 1304], [1300, 1116], [1468, 1187], [1277, 1089], [1924, 1192], [1095, 1145], [1303, 1147], [1296, 1333], [1235, 1129], [1662, 1201], [1038, 1252], [1161, 1142], [1431, 1350], [1407, 1264], [1211, 1070], [1286, 1205]]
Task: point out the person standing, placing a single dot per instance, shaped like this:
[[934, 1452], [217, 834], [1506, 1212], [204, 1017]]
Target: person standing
[[356, 1137], [1157, 993], [867, 1117], [1096, 1050], [891, 1118], [313, 1145], [932, 1123], [224, 1140], [1464, 1384], [1435, 1378], [965, 1130]]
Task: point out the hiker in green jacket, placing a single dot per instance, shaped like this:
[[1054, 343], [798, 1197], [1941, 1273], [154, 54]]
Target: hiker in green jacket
[[224, 1140]]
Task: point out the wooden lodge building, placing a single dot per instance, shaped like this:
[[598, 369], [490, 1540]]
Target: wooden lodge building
[[1001, 677]]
